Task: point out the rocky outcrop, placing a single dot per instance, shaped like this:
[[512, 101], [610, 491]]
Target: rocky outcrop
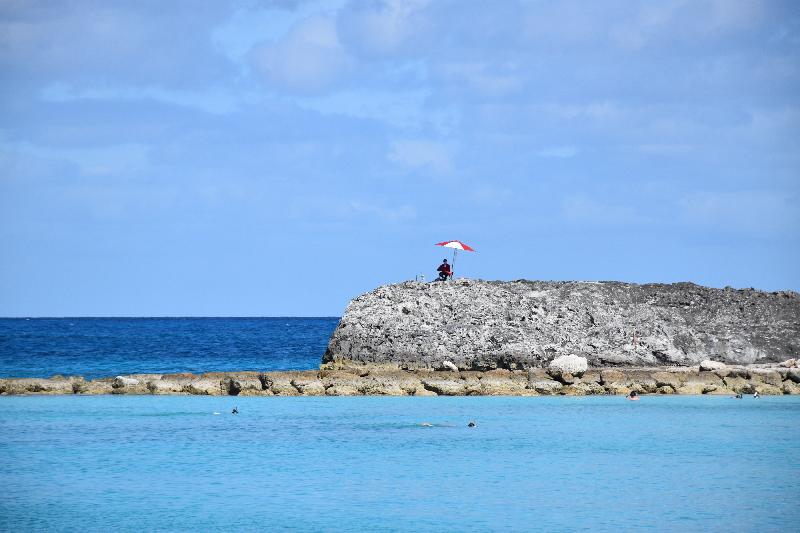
[[482, 325], [339, 379], [520, 338]]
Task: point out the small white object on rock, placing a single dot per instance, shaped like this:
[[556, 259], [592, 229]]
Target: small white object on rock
[[450, 366], [569, 364], [122, 381], [708, 364], [789, 363]]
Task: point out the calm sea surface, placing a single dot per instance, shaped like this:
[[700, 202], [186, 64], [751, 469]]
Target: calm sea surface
[[365, 464], [98, 347]]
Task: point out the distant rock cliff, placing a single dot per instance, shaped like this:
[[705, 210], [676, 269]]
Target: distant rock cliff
[[481, 325]]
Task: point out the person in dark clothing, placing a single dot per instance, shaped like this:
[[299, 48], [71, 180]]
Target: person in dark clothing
[[444, 271]]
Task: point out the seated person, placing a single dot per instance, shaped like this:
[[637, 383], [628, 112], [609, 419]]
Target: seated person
[[444, 271]]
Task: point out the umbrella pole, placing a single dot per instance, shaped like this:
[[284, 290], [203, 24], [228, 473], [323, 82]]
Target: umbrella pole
[[454, 262]]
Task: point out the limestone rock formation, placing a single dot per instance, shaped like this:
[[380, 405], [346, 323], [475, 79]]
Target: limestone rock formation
[[482, 325]]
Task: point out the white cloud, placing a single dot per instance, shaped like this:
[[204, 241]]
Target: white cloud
[[213, 100], [112, 42], [112, 161], [685, 20], [385, 28], [309, 59]]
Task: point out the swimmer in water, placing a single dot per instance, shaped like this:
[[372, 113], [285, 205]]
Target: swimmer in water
[[633, 396], [471, 424], [755, 395], [235, 411], [738, 396]]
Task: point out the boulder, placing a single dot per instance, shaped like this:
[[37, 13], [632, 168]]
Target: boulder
[[790, 387], [387, 383], [280, 383], [770, 377], [381, 387], [55, 385], [448, 365], [204, 386], [254, 392], [611, 376], [668, 379], [646, 385], [591, 387], [708, 364], [789, 363], [738, 373], [242, 383], [740, 385], [617, 388], [546, 386], [502, 386], [444, 386], [692, 387], [97, 386], [342, 390], [569, 364], [308, 386], [793, 375], [165, 386], [537, 374], [579, 389], [124, 381], [768, 390], [591, 376]]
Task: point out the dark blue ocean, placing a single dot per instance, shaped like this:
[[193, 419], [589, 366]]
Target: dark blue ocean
[[100, 347]]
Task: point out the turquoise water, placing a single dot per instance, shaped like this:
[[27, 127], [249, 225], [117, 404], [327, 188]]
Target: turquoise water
[[356, 464]]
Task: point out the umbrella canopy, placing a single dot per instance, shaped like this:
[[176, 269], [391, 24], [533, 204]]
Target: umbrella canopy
[[456, 246]]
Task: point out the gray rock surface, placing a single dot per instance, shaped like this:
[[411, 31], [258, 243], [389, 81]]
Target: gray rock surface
[[481, 325]]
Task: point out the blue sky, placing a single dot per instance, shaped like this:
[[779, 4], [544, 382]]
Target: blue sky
[[279, 158]]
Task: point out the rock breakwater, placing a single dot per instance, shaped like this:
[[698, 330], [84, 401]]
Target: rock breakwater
[[339, 379], [483, 325]]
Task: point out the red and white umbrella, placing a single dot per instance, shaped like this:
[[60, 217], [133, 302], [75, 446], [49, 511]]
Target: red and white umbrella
[[456, 246]]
